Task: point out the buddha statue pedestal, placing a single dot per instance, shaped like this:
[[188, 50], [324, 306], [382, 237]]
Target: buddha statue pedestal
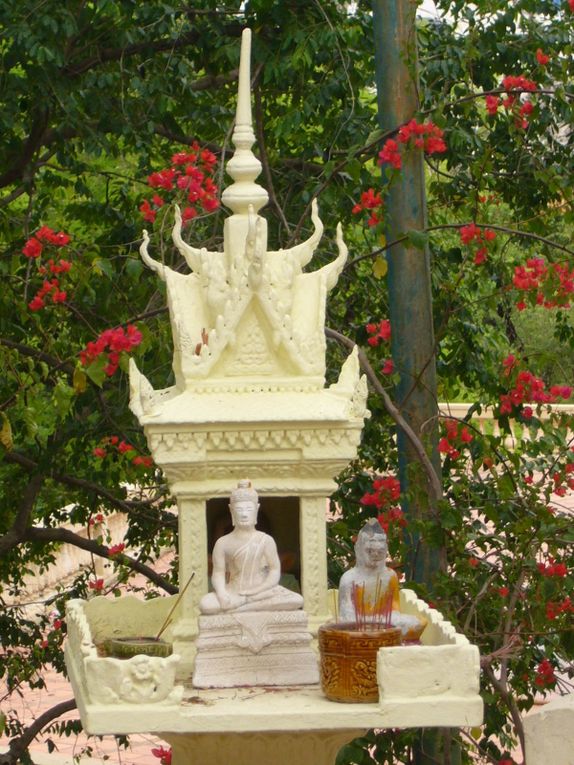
[[254, 648]]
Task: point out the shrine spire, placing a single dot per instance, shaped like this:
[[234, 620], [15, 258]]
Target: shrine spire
[[244, 167]]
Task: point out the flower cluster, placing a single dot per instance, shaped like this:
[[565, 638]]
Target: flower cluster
[[164, 755], [455, 438], [386, 491], [552, 568], [111, 342], [555, 608], [478, 237], [564, 478], [112, 444], [550, 286], [378, 332], [385, 494], [33, 249], [545, 677], [381, 332], [371, 201], [96, 584], [422, 135], [52, 288], [542, 57], [189, 173], [513, 85], [44, 236], [528, 389]]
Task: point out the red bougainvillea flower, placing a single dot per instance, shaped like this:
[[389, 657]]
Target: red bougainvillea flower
[[99, 452], [456, 436], [378, 332], [552, 568], [388, 367], [541, 57], [393, 515], [478, 237], [386, 491], [518, 82], [116, 549], [503, 591], [420, 135], [142, 460], [555, 608], [373, 203], [190, 172], [33, 249], [96, 584], [164, 755], [545, 677], [527, 389], [492, 104], [390, 154], [571, 5], [111, 342]]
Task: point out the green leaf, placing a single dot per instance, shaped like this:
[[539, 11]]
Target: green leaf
[[418, 239], [79, 380], [380, 267], [6, 438], [95, 370]]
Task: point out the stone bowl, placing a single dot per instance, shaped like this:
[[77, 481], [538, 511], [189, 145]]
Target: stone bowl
[[125, 648], [349, 660]]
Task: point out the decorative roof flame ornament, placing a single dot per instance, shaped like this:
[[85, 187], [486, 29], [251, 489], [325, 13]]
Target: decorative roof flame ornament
[[245, 318]]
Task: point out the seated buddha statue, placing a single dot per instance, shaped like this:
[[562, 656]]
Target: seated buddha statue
[[246, 567], [369, 591]]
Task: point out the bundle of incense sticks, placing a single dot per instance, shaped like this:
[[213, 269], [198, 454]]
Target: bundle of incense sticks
[[372, 613]]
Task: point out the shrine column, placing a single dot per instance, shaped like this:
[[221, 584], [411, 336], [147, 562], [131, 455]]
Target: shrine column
[[192, 523], [313, 532]]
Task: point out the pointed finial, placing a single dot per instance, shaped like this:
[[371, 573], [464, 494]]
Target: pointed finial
[[244, 167]]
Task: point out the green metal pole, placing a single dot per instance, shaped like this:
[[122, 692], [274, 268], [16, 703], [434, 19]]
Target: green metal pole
[[413, 344], [409, 268]]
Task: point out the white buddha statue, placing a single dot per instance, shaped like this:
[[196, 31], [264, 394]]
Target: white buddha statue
[[371, 587], [246, 567]]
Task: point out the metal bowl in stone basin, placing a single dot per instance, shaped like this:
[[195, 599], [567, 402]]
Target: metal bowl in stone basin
[[125, 648]]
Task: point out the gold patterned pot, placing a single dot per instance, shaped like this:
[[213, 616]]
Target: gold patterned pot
[[349, 660]]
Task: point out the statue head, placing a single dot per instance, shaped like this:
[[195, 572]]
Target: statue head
[[371, 546], [244, 504]]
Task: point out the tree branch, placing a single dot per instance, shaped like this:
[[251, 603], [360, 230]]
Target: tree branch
[[125, 505], [19, 745], [15, 534], [31, 145], [433, 480], [37, 534], [34, 353]]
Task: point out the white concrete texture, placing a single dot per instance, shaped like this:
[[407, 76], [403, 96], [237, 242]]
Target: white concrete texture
[[549, 733]]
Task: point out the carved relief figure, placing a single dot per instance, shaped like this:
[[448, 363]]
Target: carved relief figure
[[246, 567]]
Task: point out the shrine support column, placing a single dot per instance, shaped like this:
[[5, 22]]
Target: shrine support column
[[192, 523], [313, 535]]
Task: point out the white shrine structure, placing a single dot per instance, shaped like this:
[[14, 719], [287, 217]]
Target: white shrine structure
[[250, 401]]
